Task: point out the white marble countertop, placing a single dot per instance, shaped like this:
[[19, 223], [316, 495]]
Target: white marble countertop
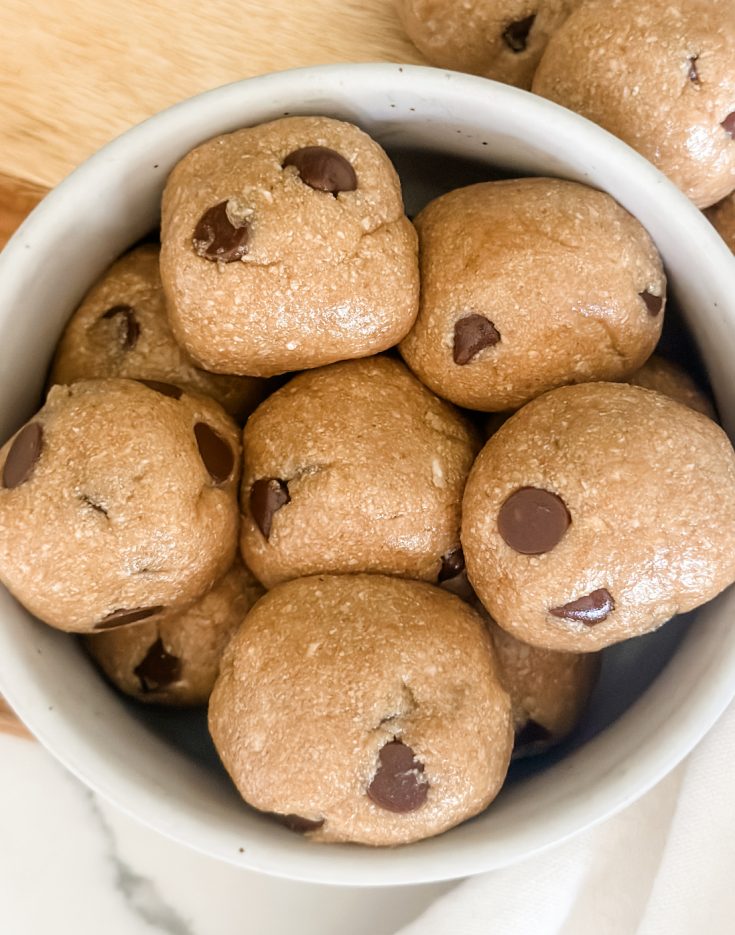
[[73, 865]]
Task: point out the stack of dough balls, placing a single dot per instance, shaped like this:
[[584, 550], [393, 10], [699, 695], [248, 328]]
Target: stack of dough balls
[[379, 611]]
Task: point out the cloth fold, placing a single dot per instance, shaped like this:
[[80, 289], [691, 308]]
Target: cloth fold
[[663, 866]]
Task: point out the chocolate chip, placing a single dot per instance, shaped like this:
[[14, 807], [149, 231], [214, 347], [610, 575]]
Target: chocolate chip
[[591, 609], [214, 451], [119, 618], [471, 334], [267, 496], [692, 71], [452, 564], [533, 520], [217, 238], [398, 785], [165, 389], [297, 823], [323, 169], [654, 303], [130, 329], [728, 124], [159, 668], [23, 455], [516, 34]]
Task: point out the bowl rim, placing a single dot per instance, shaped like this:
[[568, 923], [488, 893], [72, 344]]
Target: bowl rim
[[672, 743]]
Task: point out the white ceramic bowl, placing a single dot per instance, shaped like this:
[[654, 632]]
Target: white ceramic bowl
[[658, 694]]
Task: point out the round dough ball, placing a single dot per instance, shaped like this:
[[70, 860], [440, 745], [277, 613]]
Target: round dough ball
[[117, 502], [363, 708], [175, 659], [660, 76], [529, 284], [597, 513], [667, 378], [722, 215], [285, 246], [121, 330], [354, 467], [548, 690], [499, 39]]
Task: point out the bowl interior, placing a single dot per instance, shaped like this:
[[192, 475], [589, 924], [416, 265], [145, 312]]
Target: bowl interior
[[657, 694]]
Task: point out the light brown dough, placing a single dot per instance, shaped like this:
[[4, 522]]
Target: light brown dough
[[722, 215], [668, 378], [529, 284], [597, 513], [121, 330], [175, 660], [326, 673], [322, 277], [499, 39], [354, 467], [548, 690], [117, 502], [660, 76]]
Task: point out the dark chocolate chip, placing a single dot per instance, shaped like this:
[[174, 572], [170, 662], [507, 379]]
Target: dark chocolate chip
[[728, 124], [398, 784], [531, 738], [217, 238], [516, 34], [297, 823], [692, 71], [214, 451], [267, 496], [533, 520], [452, 564], [23, 455], [471, 334], [323, 169], [654, 303], [591, 609], [130, 329], [159, 668], [119, 618], [165, 389]]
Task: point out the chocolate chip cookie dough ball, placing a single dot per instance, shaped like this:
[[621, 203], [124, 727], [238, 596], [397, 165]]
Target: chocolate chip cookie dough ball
[[363, 708], [354, 467], [667, 378], [597, 513], [121, 330], [499, 39], [175, 659], [722, 215], [527, 285], [117, 502], [660, 76], [548, 690], [285, 247]]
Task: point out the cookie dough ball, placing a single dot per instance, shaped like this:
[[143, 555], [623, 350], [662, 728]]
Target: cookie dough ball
[[597, 513], [548, 690], [722, 215], [175, 659], [667, 378], [121, 330], [117, 502], [285, 247], [660, 76], [354, 467], [499, 39], [527, 285], [363, 708]]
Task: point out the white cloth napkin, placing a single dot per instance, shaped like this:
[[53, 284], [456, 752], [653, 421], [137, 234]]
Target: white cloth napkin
[[664, 866]]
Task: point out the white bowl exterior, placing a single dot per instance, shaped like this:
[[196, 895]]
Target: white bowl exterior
[[112, 200]]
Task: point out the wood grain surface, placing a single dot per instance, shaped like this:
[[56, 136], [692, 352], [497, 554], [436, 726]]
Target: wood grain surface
[[77, 73]]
